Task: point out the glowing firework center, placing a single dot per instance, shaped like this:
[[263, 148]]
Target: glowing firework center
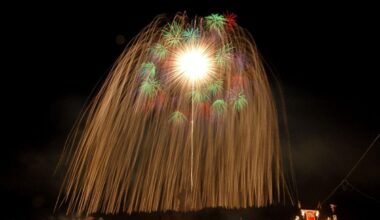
[[194, 63]]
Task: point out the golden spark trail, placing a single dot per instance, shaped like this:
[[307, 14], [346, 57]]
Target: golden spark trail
[[192, 138]]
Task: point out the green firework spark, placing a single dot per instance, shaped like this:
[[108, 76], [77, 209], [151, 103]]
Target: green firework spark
[[198, 96], [191, 34], [215, 87], [215, 22], [240, 102], [223, 54], [159, 51], [148, 69], [177, 117], [219, 106], [149, 87], [172, 34]]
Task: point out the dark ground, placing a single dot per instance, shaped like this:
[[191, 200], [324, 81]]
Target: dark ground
[[325, 56]]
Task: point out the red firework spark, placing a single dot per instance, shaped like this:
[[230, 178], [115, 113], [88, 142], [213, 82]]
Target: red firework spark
[[230, 20]]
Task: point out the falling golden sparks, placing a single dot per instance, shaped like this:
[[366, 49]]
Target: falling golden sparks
[[185, 120]]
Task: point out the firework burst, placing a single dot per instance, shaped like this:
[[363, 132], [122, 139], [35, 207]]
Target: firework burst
[[185, 121]]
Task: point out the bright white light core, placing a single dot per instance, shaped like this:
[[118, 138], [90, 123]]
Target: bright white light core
[[194, 63]]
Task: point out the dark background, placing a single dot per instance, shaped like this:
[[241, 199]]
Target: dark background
[[325, 57]]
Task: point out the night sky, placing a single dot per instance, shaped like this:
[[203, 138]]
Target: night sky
[[325, 58]]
